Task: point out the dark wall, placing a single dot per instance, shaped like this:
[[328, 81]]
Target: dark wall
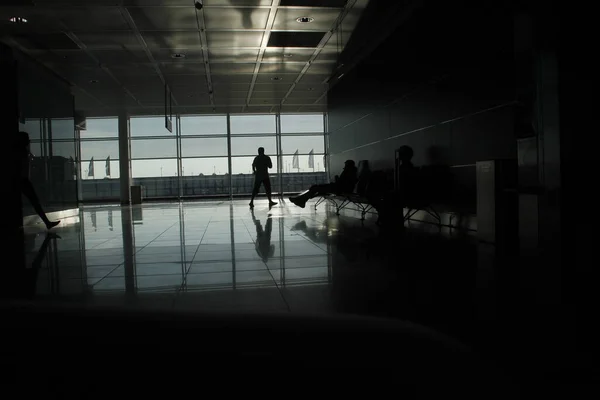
[[442, 83], [46, 110]]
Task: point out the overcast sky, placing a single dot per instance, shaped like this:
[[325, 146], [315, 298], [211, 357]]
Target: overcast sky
[[243, 148]]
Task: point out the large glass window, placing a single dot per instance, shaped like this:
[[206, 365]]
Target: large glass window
[[246, 146], [253, 124], [100, 128], [99, 173], [153, 148], [302, 144], [149, 126], [100, 149], [204, 166], [203, 147], [193, 160], [204, 125], [302, 123]]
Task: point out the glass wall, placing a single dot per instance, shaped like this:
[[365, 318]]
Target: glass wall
[[204, 163], [99, 146], [45, 106], [195, 159]]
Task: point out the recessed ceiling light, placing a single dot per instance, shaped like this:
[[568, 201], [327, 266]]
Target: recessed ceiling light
[[19, 20], [275, 78], [177, 55], [305, 20]]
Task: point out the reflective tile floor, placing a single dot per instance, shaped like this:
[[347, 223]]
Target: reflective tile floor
[[220, 256], [223, 256]]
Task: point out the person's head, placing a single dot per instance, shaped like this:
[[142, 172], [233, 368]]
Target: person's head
[[349, 164], [405, 153], [261, 150], [23, 140]]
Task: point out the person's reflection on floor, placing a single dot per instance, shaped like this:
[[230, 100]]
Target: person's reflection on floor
[[264, 248], [110, 219], [94, 221], [24, 149], [30, 272]]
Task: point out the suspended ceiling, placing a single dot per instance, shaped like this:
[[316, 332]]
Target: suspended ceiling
[[247, 56]]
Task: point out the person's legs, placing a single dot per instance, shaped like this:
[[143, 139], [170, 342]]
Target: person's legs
[[267, 183], [255, 190], [29, 192], [314, 191]]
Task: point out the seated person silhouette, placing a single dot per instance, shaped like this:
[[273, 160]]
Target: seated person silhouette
[[264, 248], [387, 202], [343, 184], [27, 189]]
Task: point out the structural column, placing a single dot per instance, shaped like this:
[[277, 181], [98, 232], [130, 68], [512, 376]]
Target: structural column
[[124, 158]]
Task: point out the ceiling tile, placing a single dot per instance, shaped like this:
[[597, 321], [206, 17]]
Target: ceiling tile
[[283, 79], [65, 57], [133, 80], [194, 82], [110, 40], [191, 55], [236, 18], [154, 3], [313, 3], [269, 95], [234, 94], [259, 109], [295, 39], [234, 39], [231, 68], [282, 54], [188, 68], [233, 78], [321, 68], [237, 3], [194, 100], [228, 101], [231, 87], [172, 40], [96, 18], [272, 87], [313, 79], [197, 90], [164, 18], [233, 55], [113, 57], [328, 54], [282, 68], [58, 41], [324, 18], [261, 102]]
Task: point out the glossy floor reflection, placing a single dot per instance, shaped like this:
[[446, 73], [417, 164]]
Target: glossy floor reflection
[[222, 256]]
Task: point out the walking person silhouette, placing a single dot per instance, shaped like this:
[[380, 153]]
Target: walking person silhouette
[[24, 150], [260, 168]]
